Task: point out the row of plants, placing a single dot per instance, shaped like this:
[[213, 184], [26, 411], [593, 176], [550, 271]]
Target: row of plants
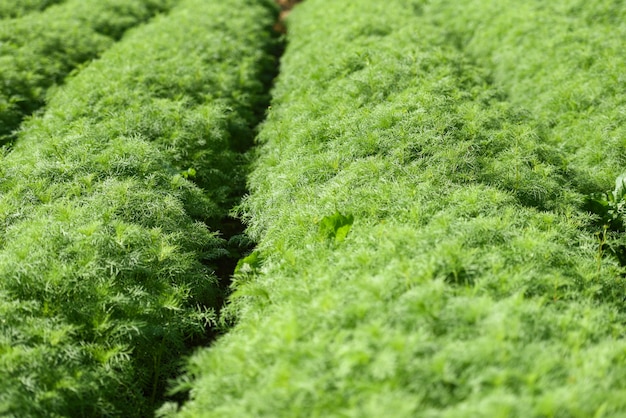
[[39, 50], [110, 202], [423, 243], [568, 71], [12, 8]]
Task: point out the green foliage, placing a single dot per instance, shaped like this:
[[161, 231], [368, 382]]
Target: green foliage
[[470, 285], [568, 71], [249, 263], [611, 206], [39, 50], [13, 8], [336, 226], [106, 260]]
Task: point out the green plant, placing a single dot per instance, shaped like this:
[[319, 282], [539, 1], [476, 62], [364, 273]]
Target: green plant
[[107, 259], [610, 209], [11, 9], [469, 285], [565, 71], [611, 206], [39, 50], [336, 226]]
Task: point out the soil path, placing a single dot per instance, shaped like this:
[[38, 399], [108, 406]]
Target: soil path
[[285, 8]]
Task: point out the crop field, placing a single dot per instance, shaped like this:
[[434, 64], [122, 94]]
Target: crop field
[[412, 208], [109, 201], [39, 49]]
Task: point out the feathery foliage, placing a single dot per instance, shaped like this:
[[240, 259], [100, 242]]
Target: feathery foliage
[[470, 282], [106, 258], [39, 50], [564, 61], [13, 8]]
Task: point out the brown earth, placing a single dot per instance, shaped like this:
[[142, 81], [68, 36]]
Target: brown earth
[[285, 8]]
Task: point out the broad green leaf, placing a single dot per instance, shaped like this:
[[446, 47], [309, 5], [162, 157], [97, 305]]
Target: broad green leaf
[[336, 226]]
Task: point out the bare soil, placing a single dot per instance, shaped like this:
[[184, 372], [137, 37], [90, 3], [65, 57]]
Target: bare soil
[[285, 8]]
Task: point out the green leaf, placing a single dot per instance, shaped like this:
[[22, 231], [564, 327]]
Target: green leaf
[[189, 173], [336, 226], [249, 264], [620, 189]]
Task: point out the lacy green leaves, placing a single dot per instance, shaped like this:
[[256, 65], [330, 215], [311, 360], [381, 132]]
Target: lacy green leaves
[[106, 254], [471, 285], [39, 50]]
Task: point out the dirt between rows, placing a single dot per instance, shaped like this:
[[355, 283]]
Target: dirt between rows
[[285, 8]]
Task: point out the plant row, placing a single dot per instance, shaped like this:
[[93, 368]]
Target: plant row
[[12, 8], [106, 258], [423, 244], [39, 50], [568, 71]]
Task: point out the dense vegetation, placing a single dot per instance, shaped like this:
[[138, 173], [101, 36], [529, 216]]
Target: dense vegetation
[[564, 62], [419, 202], [38, 50], [438, 196], [14, 8], [109, 204]]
